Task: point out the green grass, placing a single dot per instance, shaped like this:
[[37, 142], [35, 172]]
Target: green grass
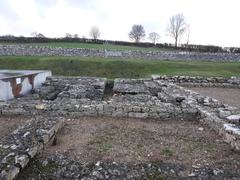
[[116, 67], [91, 46], [167, 152]]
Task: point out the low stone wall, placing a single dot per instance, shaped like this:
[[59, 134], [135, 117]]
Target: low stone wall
[[64, 97], [222, 118], [21, 50], [20, 146], [78, 97], [199, 81]]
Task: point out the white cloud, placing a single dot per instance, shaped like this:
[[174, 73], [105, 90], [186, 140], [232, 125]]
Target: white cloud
[[211, 22]]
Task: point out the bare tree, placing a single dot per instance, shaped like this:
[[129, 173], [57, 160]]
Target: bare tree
[[68, 35], [34, 34], [40, 35], [95, 32], [188, 33], [154, 37], [177, 27], [37, 35], [75, 36], [137, 33]]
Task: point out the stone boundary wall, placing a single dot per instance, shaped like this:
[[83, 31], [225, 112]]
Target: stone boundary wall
[[22, 50], [199, 81]]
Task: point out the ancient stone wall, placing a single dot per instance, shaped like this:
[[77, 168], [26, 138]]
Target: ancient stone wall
[[21, 50]]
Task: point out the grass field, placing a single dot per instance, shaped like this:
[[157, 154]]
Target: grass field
[[114, 67], [92, 46]]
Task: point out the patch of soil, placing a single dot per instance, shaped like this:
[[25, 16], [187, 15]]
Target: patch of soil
[[228, 96], [144, 141], [9, 124]]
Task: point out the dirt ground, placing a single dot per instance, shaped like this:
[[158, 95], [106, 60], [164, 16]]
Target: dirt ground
[[9, 124], [226, 95], [139, 141]]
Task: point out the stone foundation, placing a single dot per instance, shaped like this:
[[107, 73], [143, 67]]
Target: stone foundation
[[155, 98]]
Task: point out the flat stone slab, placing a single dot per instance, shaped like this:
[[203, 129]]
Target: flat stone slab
[[16, 83], [234, 119], [5, 73]]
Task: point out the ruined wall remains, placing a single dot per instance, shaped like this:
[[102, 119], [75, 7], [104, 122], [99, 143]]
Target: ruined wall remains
[[78, 97], [20, 146], [82, 96], [200, 81], [21, 50]]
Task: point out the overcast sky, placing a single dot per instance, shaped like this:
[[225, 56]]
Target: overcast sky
[[215, 22]]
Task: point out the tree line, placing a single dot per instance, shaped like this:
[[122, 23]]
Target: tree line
[[177, 27]]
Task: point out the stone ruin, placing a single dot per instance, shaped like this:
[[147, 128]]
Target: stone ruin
[[157, 98]]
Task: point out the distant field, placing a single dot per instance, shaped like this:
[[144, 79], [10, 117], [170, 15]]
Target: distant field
[[114, 67], [91, 46]]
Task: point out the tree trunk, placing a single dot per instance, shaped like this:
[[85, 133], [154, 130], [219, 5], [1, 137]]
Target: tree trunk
[[176, 44]]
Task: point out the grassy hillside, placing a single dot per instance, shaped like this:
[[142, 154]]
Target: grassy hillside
[[114, 67]]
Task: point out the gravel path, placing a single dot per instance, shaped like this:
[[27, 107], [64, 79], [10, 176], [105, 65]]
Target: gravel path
[[226, 95]]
